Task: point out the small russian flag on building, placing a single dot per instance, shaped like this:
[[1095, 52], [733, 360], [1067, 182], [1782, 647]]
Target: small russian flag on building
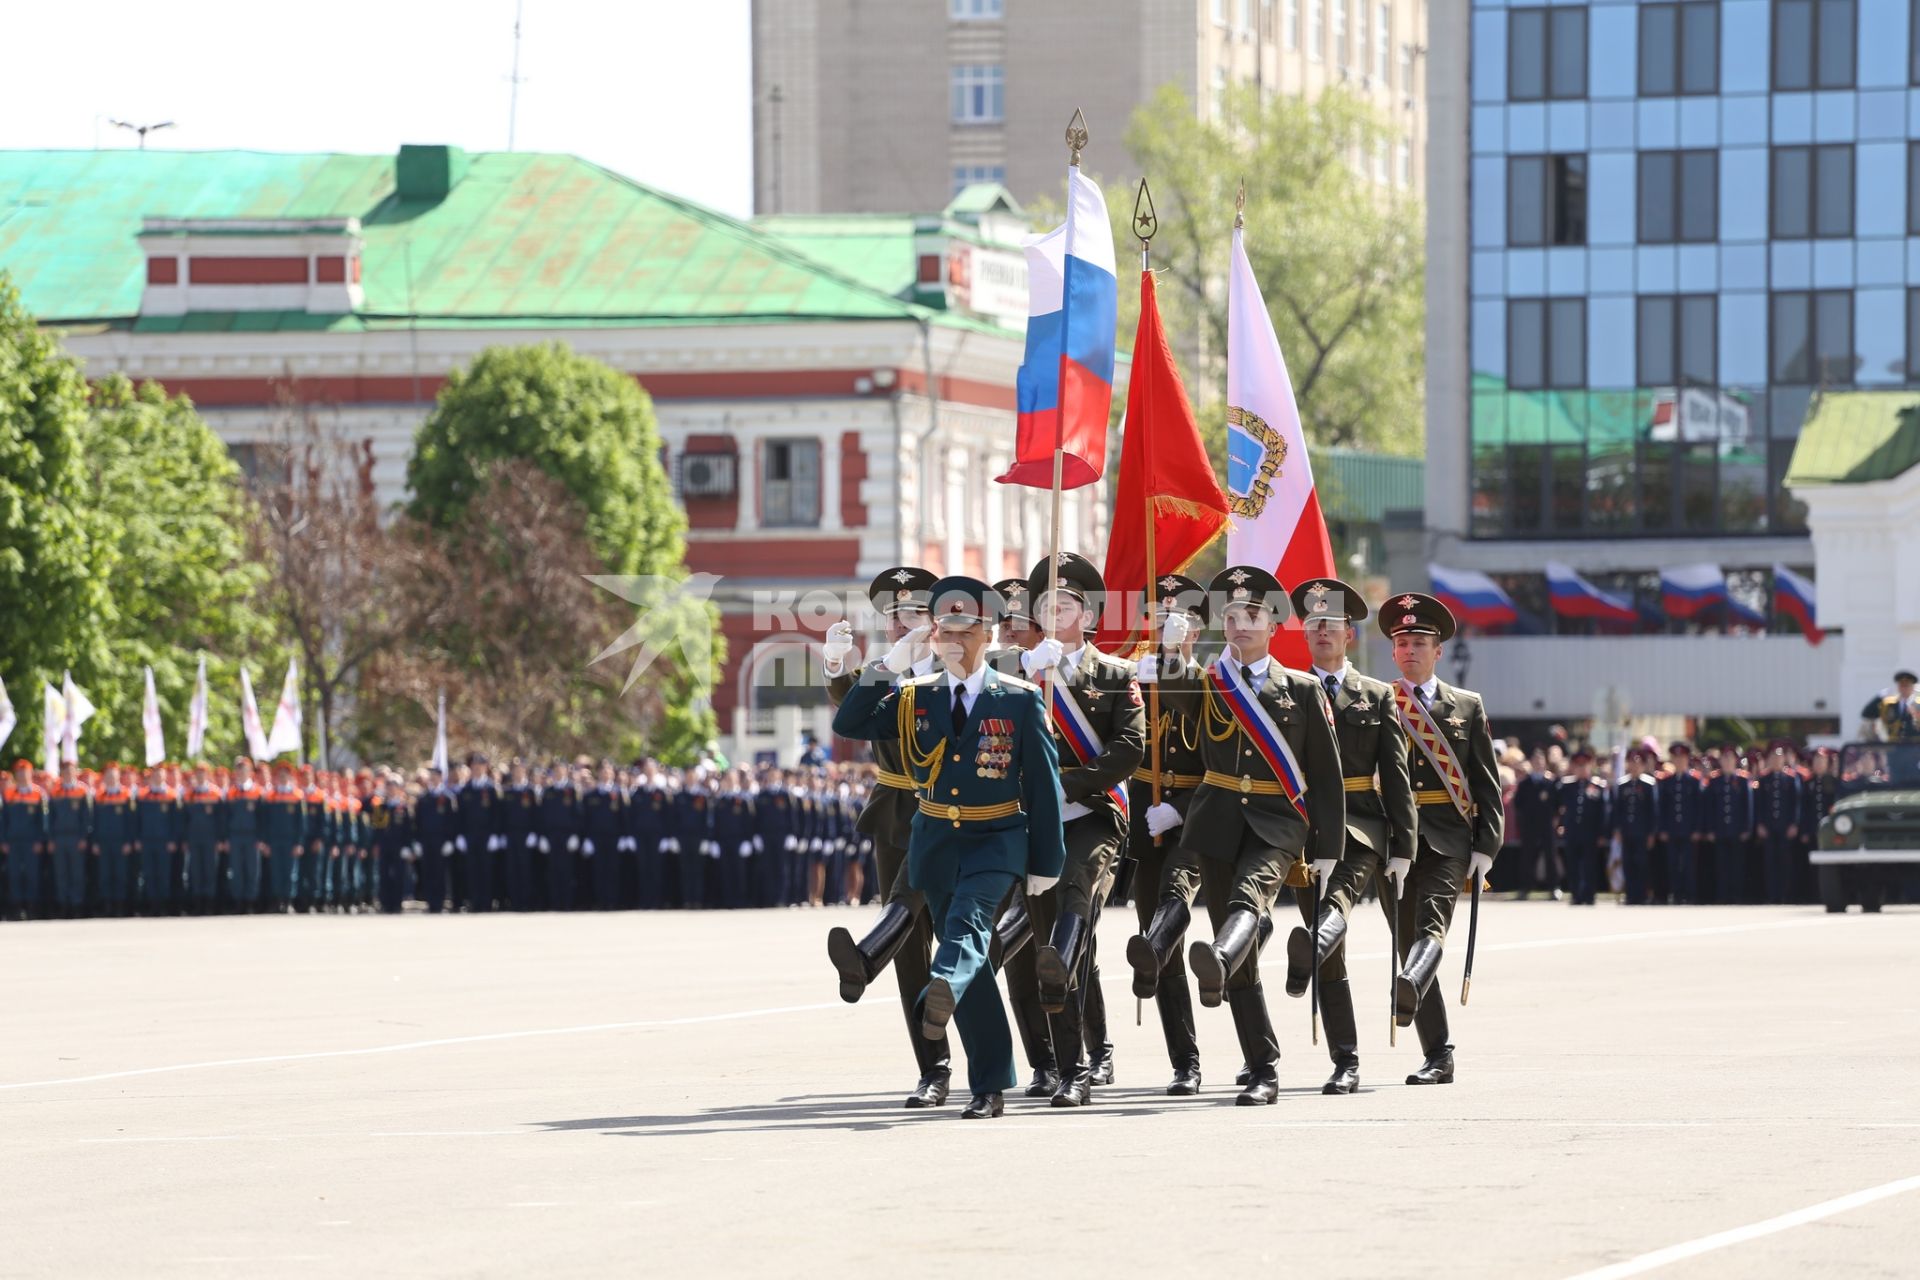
[[1575, 597], [1793, 595], [1689, 590], [1473, 597]]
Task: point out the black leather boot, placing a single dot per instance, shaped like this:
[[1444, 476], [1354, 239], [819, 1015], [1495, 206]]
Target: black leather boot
[[1431, 1023], [1307, 949], [860, 962], [1175, 1004], [1437, 1069], [984, 1106], [1214, 962], [1012, 932], [936, 1072], [936, 1009], [1069, 1051], [1257, 1045], [1416, 975], [1343, 1037], [1057, 960], [1099, 1046], [1147, 952]]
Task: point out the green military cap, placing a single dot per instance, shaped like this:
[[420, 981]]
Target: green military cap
[[1013, 594], [961, 601], [901, 587], [1907, 676], [1320, 599], [1078, 578], [1415, 614], [1248, 584], [1176, 591]]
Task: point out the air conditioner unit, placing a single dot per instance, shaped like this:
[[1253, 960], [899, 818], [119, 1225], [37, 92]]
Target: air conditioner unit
[[707, 475]]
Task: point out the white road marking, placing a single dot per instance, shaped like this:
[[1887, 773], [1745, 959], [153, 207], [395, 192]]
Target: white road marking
[[410, 1045], [1753, 1231]]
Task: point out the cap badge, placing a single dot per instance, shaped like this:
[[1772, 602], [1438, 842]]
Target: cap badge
[[1169, 583], [1407, 602], [903, 576], [1238, 575]]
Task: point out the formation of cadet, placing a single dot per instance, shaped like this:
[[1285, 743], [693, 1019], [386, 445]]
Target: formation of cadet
[[1029, 797], [167, 841]]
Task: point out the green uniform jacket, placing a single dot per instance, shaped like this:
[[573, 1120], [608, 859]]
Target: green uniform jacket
[[1180, 762], [1103, 688], [1373, 746], [1463, 719], [1005, 756], [1216, 816], [888, 812]]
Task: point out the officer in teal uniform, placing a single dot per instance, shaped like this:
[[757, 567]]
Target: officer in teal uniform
[[979, 749]]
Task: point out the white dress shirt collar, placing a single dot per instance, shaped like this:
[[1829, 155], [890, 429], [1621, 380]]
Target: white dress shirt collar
[[1070, 660], [971, 683], [1340, 676]]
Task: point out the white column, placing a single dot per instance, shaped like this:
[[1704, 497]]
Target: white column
[[996, 530], [956, 476], [830, 481], [746, 479]]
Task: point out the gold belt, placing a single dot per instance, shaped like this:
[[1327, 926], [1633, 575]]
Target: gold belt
[[898, 781], [1245, 786], [959, 813], [1171, 781], [1357, 784], [1433, 797]]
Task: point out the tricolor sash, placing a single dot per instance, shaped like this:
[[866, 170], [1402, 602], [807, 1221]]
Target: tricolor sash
[[1417, 719], [1260, 729], [1077, 732]]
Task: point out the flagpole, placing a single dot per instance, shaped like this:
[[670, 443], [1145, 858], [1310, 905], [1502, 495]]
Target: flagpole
[[1145, 225], [1076, 142]]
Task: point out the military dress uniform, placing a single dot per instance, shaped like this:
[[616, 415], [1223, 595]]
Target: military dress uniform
[[157, 817], [1380, 826], [115, 858], [989, 800], [390, 831], [436, 819], [70, 833], [1460, 815], [1270, 793], [1636, 824], [519, 822], [1777, 804], [203, 829], [1898, 711], [283, 825], [1729, 820], [1582, 824], [559, 837], [481, 835], [245, 802], [25, 833], [1682, 793]]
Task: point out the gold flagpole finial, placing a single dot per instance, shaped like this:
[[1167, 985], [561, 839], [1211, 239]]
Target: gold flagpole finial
[[1146, 223], [1076, 137], [1240, 206]]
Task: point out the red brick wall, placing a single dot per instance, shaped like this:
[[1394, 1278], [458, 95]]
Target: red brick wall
[[715, 513], [853, 471]]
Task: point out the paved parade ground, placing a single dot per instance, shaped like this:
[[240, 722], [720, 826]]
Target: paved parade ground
[[684, 1094]]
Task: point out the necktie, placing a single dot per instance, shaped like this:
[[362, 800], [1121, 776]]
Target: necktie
[[1333, 688], [1246, 674], [1422, 691], [959, 710]]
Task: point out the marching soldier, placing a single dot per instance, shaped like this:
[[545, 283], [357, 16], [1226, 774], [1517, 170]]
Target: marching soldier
[[436, 818], [26, 840], [903, 934], [244, 845], [157, 817], [1456, 786], [1270, 793], [1381, 819], [1581, 823], [1636, 815], [202, 831], [481, 833], [1150, 838], [69, 833], [310, 864], [283, 826], [522, 801], [1681, 795], [1099, 725], [603, 809], [559, 834], [983, 766], [390, 828], [113, 832]]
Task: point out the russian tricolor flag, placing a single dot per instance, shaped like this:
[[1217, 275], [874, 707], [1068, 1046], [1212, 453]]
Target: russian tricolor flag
[[1474, 598], [1689, 590], [1575, 597], [1793, 596], [1065, 385]]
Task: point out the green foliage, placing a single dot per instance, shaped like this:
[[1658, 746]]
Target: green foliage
[[1340, 259], [584, 423]]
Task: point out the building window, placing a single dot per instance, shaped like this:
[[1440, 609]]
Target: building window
[[1292, 24], [1546, 54], [1406, 70], [1246, 17], [1341, 49], [1546, 200], [1362, 44], [1679, 197], [1812, 338], [1219, 13], [979, 94], [965, 175], [1813, 192], [1678, 341], [1383, 45], [1680, 48], [1219, 93], [790, 486], [1913, 335], [974, 10], [1813, 44], [1317, 31], [1913, 188], [1406, 163], [1546, 343]]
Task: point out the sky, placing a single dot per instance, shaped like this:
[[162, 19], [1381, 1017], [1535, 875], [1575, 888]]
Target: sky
[[658, 90]]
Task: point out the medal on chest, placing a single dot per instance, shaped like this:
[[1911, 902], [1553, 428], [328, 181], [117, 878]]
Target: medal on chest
[[993, 750]]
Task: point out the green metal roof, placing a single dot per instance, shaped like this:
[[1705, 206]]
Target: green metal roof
[[520, 237], [1853, 437], [873, 248]]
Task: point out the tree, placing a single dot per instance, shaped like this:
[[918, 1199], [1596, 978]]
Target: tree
[[1339, 258], [54, 557], [584, 423], [168, 497]]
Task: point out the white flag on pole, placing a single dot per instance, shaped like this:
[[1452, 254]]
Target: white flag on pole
[[440, 736], [150, 724], [7, 718], [197, 713], [53, 724], [250, 719], [285, 735], [79, 711]]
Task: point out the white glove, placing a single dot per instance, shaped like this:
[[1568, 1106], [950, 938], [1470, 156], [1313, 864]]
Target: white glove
[[546, 846], [409, 853], [793, 842], [446, 849], [838, 645], [759, 845], [1037, 885], [746, 848], [1478, 866], [901, 656], [460, 843], [1148, 669], [713, 848], [586, 847], [573, 844], [1397, 869], [818, 846], [1322, 868], [1162, 818], [1041, 656], [1073, 809], [673, 845], [1175, 630]]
